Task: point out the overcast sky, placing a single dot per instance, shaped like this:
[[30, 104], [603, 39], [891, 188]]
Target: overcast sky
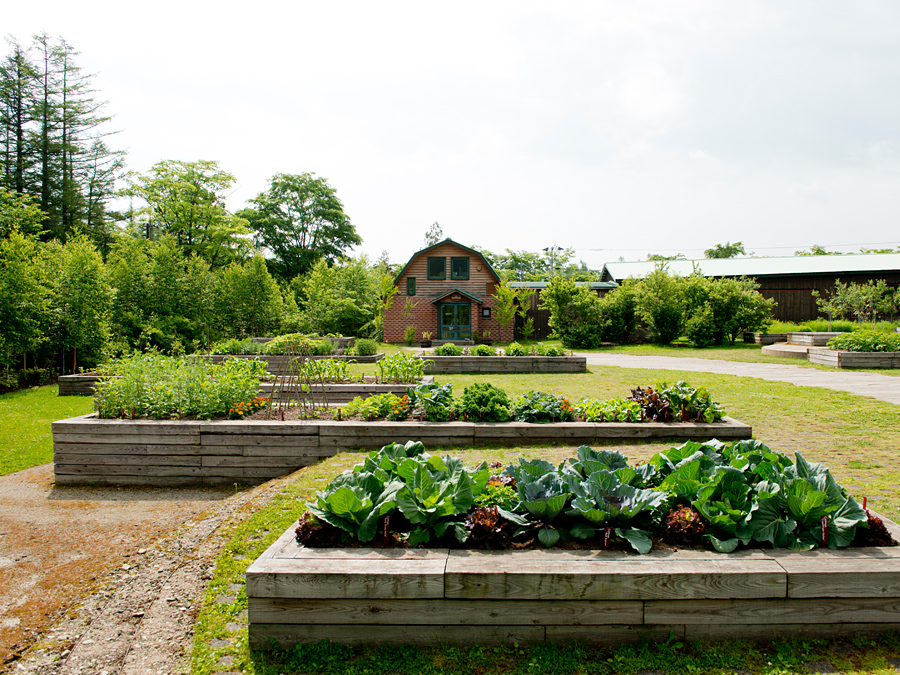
[[617, 129]]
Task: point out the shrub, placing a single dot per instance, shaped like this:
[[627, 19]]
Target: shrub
[[866, 341], [549, 350], [618, 314], [483, 350], [575, 312], [485, 403], [448, 349], [410, 334], [701, 328], [365, 347]]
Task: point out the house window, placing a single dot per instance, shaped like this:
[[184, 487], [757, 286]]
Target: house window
[[459, 268], [486, 312], [437, 268], [410, 285]]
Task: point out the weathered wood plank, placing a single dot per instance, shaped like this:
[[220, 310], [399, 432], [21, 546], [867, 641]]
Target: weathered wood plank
[[774, 611], [90, 424], [599, 636], [269, 440], [287, 636], [61, 458], [444, 612], [92, 469], [142, 481], [128, 449], [845, 575], [482, 575], [724, 631], [405, 578], [261, 461], [115, 438]]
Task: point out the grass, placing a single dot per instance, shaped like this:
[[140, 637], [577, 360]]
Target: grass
[[25, 416], [858, 438]]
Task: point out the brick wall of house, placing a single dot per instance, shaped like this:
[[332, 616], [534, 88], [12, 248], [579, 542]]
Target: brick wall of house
[[424, 315]]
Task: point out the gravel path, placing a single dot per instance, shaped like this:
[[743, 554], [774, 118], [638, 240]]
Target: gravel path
[[107, 580], [881, 387]]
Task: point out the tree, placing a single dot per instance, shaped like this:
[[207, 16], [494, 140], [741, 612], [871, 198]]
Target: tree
[[434, 235], [80, 299], [658, 257], [341, 298], [510, 302], [18, 212], [300, 220], [24, 293], [187, 200], [727, 251], [815, 249]]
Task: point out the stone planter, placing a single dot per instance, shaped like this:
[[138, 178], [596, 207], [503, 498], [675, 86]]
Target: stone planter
[[504, 364], [223, 452], [440, 596], [841, 359]]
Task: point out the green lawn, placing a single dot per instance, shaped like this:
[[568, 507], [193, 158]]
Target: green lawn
[[858, 438], [25, 417]]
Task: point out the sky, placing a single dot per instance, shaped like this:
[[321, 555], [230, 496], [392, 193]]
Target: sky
[[615, 128]]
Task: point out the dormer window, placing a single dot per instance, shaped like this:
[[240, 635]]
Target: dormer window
[[459, 269]]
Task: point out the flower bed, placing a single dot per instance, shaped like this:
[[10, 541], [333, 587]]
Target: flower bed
[[299, 594]]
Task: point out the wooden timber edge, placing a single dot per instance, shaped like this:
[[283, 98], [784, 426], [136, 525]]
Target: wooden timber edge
[[189, 452], [365, 596], [504, 364], [844, 359]]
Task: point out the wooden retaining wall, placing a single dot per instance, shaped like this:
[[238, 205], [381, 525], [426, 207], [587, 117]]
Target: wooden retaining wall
[[364, 596], [811, 339], [764, 338], [842, 359], [224, 452], [276, 362], [504, 364]]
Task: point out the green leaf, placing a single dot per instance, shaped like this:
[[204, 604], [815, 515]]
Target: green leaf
[[548, 536], [582, 531], [722, 545], [640, 541]]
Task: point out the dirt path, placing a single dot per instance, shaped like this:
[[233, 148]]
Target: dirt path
[[96, 580]]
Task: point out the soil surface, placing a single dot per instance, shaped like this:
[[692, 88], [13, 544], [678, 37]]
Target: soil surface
[[107, 579]]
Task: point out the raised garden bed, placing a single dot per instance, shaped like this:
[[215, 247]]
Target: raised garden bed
[[844, 359], [764, 338], [277, 362], [344, 391], [223, 452], [367, 595], [504, 364], [811, 339], [85, 383]]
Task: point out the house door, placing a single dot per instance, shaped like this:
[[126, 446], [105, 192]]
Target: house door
[[456, 321]]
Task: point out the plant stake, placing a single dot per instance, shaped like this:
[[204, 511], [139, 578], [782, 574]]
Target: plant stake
[[824, 530]]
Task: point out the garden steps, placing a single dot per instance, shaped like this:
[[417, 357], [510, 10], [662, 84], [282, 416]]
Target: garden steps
[[133, 452], [428, 596], [785, 350]]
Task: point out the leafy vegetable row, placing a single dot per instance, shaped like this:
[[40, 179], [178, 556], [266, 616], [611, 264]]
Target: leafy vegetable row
[[482, 402], [724, 495], [514, 349]]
